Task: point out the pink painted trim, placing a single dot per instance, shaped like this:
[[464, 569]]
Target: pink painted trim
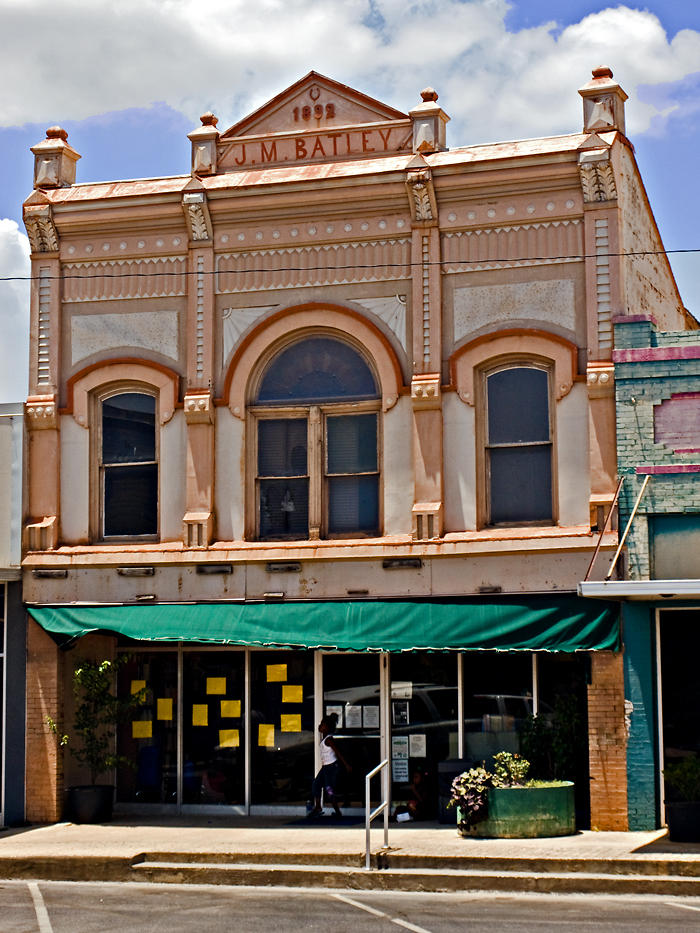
[[687, 450], [686, 395], [670, 468], [654, 354], [634, 319]]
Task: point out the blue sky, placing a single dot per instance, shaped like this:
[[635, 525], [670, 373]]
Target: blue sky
[[129, 80]]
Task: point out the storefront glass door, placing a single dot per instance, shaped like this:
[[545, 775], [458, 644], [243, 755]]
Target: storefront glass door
[[282, 727], [213, 728], [424, 728], [147, 741], [679, 649], [351, 690]]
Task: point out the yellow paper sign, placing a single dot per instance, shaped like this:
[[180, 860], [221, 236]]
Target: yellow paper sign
[[229, 738], [292, 693], [137, 686], [266, 736], [216, 685], [276, 673], [200, 714], [230, 709], [291, 722], [142, 729], [164, 708]]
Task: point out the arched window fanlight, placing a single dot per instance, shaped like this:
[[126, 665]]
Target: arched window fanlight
[[317, 369]]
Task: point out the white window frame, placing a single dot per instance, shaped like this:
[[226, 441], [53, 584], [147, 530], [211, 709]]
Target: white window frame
[[98, 467], [483, 445]]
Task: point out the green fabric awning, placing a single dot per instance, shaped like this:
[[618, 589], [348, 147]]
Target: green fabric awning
[[533, 623]]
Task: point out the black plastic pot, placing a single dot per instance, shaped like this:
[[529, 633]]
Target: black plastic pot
[[90, 803], [683, 819]]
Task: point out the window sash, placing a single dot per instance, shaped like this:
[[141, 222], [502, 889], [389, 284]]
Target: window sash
[[120, 512], [325, 515], [518, 474]]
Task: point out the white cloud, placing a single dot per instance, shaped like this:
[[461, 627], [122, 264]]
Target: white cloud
[[81, 57], [14, 313]]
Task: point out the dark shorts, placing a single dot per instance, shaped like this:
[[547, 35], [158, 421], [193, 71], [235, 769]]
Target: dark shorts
[[326, 780]]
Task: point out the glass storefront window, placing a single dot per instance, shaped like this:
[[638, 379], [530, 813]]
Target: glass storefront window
[[148, 740], [213, 741], [497, 700], [424, 727], [282, 727], [351, 690]]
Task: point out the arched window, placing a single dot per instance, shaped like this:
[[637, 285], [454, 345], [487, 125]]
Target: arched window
[[128, 465], [518, 445], [316, 425]]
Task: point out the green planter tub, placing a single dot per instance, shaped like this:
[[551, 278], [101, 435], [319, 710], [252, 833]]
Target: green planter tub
[[525, 813]]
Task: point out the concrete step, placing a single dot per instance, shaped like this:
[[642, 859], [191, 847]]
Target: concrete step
[[410, 879], [392, 858]]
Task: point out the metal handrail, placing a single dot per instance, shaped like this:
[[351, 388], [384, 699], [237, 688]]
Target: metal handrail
[[383, 807]]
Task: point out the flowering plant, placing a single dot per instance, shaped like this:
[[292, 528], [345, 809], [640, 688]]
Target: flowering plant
[[469, 792], [510, 768], [470, 789]]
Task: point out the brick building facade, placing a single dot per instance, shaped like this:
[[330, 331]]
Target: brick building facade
[[327, 424], [657, 377]]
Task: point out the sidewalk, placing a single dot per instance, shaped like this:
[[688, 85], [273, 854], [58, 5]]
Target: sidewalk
[[421, 856]]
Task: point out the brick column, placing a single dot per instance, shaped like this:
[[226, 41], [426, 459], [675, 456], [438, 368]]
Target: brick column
[[607, 742], [44, 763]]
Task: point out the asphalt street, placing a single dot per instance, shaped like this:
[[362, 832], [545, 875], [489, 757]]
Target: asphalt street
[[77, 907]]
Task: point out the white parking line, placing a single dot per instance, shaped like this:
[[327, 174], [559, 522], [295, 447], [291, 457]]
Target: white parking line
[[42, 914], [683, 906], [379, 913]]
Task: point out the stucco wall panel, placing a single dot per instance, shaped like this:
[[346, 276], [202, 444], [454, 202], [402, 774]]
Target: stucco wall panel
[[75, 482], [572, 457], [459, 446], [397, 478], [229, 476], [172, 477]]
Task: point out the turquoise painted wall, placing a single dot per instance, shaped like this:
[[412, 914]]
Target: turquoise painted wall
[[640, 689]]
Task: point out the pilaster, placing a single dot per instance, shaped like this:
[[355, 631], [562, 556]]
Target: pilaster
[[198, 521]]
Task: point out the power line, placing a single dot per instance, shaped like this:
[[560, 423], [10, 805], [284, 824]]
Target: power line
[[354, 266]]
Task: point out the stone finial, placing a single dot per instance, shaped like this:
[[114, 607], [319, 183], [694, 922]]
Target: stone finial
[[603, 103], [54, 160], [204, 140], [429, 123]]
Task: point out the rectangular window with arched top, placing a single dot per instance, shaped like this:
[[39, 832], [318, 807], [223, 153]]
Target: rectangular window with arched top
[[316, 422], [518, 445], [128, 465]]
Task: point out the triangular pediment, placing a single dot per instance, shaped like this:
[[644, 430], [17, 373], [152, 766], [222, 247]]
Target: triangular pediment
[[314, 103]]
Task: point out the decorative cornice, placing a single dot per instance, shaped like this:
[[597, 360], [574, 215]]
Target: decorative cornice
[[597, 177], [199, 408], [41, 230], [194, 204], [328, 264], [41, 412], [425, 390], [421, 197], [106, 280], [600, 379]]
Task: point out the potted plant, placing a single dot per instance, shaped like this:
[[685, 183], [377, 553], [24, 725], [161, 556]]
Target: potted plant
[[504, 804], [98, 711], [682, 785]]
